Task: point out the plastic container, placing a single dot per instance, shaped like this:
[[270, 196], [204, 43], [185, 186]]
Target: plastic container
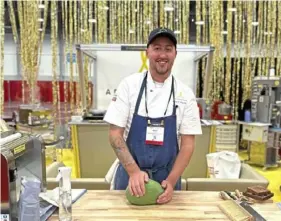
[[65, 197], [29, 203], [247, 116]]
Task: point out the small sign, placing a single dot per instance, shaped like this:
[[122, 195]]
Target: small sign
[[73, 57], [19, 149], [5, 217]]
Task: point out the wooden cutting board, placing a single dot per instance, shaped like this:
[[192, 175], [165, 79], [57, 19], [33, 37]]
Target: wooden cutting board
[[186, 205]]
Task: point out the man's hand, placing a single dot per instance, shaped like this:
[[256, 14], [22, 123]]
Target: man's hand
[[136, 183], [168, 193]]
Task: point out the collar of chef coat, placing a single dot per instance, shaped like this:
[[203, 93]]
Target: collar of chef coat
[[151, 84]]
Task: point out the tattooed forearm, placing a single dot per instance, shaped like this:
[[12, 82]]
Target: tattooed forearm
[[121, 150]]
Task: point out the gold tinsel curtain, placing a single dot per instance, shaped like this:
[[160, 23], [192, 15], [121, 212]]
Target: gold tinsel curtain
[[237, 30], [29, 42]]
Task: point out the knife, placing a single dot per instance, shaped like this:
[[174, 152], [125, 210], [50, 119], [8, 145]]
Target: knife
[[227, 195]]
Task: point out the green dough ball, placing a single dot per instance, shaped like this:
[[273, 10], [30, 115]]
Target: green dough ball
[[152, 190]]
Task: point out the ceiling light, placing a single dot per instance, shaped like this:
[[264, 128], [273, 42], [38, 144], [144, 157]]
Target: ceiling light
[[232, 9], [168, 8], [92, 20], [41, 6], [199, 23], [177, 32], [268, 33], [192, 20]]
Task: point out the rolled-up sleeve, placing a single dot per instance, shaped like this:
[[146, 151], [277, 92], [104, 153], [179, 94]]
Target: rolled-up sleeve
[[118, 109], [191, 118]]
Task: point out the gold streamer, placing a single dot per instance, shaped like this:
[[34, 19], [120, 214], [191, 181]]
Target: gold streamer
[[89, 41], [216, 42], [13, 20], [204, 39], [228, 53], [278, 68], [269, 37], [198, 40], [162, 14], [265, 28], [119, 22], [145, 21], [2, 36], [254, 59], [140, 31], [133, 35], [20, 15], [30, 43], [186, 40], [220, 48], [198, 18], [96, 27], [155, 14], [54, 45], [235, 74], [248, 79], [240, 38], [273, 39], [260, 36], [65, 85], [171, 20], [165, 18], [126, 21]]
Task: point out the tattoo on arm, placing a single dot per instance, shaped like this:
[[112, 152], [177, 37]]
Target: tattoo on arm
[[121, 150]]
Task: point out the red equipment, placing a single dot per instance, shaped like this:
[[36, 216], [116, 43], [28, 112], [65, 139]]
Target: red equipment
[[221, 111]]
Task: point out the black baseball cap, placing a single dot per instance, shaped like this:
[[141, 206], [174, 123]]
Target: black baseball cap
[[157, 32]]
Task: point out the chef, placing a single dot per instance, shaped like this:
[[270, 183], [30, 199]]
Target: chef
[[153, 121]]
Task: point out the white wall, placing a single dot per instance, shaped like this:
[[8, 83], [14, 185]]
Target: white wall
[[10, 58], [45, 68]]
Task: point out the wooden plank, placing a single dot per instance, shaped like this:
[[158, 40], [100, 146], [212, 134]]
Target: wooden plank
[[186, 205]]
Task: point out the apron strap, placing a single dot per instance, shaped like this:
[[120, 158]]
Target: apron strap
[[140, 94]]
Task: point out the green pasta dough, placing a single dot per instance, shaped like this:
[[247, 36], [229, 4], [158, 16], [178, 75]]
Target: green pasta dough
[[152, 190]]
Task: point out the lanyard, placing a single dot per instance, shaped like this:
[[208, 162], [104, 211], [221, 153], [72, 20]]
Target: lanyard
[[172, 92]]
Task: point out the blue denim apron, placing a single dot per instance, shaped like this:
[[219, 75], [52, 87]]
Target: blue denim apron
[[157, 161]]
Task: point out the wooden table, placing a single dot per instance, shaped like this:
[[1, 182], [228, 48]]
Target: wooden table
[[186, 205]]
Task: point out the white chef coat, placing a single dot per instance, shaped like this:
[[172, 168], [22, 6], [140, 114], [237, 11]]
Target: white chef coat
[[121, 108]]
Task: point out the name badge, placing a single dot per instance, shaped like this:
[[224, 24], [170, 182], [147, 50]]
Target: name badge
[[155, 134]]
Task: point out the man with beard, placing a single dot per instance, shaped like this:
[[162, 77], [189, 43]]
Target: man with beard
[[151, 113]]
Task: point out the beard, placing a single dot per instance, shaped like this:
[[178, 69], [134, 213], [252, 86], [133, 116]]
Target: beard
[[162, 69]]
